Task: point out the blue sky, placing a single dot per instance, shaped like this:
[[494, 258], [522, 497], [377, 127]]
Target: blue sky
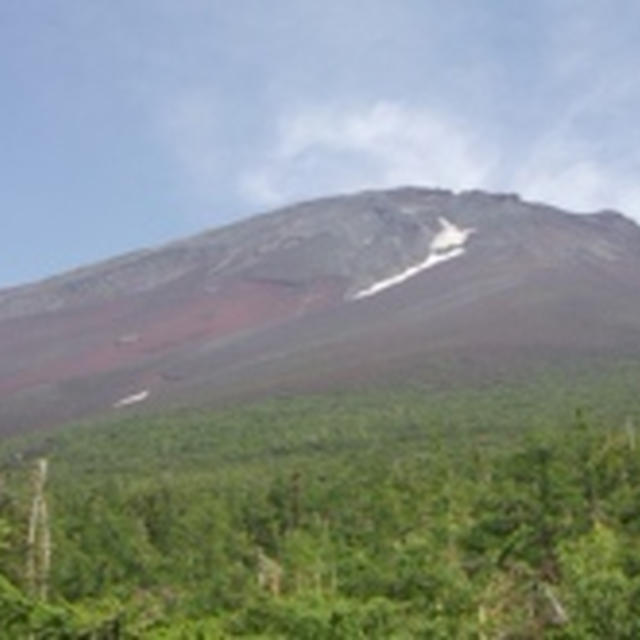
[[127, 123]]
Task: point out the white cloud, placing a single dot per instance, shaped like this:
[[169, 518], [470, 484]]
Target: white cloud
[[320, 151], [580, 185], [567, 169], [586, 157], [324, 150], [328, 150]]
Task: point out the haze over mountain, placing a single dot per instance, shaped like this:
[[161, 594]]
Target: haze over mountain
[[373, 288]]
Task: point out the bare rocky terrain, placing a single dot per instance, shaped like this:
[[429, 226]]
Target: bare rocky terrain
[[375, 288]]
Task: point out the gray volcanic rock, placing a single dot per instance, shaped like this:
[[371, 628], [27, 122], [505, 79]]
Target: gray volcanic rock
[[345, 289]]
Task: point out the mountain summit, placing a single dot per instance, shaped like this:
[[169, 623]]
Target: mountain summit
[[375, 287]]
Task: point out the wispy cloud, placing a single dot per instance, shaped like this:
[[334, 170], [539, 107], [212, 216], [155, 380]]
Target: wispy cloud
[[585, 157], [326, 149], [579, 183]]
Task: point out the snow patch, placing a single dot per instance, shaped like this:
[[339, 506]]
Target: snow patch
[[132, 399], [447, 244], [450, 236]]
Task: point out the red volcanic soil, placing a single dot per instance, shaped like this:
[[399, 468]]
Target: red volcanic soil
[[102, 338]]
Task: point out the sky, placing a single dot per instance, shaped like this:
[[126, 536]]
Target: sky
[[129, 123]]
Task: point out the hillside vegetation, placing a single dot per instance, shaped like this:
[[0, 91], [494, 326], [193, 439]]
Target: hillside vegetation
[[508, 510]]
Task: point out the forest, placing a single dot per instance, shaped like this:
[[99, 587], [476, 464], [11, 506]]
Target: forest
[[509, 509]]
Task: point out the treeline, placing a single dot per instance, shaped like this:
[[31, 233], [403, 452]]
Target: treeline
[[495, 513]]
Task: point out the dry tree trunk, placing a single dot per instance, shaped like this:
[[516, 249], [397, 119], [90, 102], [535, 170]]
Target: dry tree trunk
[[269, 573], [39, 536], [631, 434], [560, 616]]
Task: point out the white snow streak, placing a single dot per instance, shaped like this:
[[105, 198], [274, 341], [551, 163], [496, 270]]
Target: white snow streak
[[447, 244], [133, 399]]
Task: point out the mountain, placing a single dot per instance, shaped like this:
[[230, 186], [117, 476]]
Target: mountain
[[375, 288]]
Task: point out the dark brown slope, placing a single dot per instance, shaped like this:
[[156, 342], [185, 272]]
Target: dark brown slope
[[271, 304]]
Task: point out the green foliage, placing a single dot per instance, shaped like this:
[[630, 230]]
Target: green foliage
[[600, 592], [422, 513], [24, 618]]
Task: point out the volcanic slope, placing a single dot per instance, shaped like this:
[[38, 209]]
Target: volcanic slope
[[378, 287]]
